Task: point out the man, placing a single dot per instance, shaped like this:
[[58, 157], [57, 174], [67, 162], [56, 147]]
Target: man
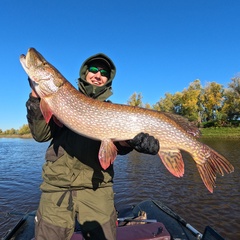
[[74, 184]]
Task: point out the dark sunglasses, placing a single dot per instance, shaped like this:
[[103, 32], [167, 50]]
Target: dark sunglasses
[[103, 72]]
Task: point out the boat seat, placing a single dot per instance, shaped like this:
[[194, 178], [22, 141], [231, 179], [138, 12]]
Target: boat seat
[[154, 231], [149, 231]]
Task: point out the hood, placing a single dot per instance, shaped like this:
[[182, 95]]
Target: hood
[[100, 93]]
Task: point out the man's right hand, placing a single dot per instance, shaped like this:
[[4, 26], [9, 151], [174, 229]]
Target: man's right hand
[[144, 143]]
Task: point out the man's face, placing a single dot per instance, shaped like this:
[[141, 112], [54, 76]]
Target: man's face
[[97, 74]]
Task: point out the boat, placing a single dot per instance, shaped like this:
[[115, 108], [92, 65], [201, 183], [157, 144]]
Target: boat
[[146, 220]]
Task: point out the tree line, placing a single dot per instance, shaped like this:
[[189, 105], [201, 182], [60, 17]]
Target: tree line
[[208, 106], [21, 131], [211, 105]]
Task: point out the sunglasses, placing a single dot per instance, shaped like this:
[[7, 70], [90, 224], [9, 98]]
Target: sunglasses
[[103, 72]]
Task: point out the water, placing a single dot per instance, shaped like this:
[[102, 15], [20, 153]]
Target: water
[[137, 177]]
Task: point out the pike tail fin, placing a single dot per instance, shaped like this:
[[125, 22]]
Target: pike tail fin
[[210, 166]]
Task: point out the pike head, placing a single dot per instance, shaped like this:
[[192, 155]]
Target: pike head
[[45, 78]]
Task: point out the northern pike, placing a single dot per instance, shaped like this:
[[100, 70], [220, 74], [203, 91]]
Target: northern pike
[[108, 122]]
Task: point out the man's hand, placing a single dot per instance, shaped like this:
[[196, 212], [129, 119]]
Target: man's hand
[[144, 143]]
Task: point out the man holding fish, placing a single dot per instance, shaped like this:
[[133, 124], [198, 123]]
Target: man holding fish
[[75, 184]]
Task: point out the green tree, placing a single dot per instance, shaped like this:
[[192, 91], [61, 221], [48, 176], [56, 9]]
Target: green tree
[[231, 107], [177, 100], [24, 129], [171, 103], [135, 100], [11, 131], [165, 104]]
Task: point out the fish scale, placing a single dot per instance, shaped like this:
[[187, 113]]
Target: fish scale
[[108, 122]]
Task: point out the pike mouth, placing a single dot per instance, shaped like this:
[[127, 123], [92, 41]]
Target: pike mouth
[[23, 62]]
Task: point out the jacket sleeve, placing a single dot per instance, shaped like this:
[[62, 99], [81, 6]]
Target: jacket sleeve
[[122, 150], [40, 130]]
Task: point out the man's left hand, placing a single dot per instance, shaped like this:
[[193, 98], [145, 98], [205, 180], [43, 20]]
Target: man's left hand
[[144, 143]]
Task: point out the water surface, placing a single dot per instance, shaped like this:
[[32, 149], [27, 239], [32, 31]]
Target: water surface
[[137, 177]]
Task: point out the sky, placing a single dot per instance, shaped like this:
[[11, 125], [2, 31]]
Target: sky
[[158, 46]]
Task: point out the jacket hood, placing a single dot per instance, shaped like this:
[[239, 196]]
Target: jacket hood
[[100, 93]]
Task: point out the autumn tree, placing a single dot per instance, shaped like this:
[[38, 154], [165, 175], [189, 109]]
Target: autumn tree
[[211, 103], [192, 101], [213, 100], [148, 106]]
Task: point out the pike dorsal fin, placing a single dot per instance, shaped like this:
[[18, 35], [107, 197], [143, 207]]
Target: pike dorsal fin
[[188, 126]]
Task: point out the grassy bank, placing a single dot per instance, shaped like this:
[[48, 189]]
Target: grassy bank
[[224, 132], [15, 135]]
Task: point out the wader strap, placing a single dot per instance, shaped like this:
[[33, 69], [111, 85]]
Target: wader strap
[[70, 200]]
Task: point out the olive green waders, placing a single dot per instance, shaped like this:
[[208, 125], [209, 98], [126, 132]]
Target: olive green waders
[[94, 210]]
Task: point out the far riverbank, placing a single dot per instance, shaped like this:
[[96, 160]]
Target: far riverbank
[[221, 132], [16, 135]]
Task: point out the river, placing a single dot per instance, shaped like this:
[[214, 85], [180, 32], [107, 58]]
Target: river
[[137, 177]]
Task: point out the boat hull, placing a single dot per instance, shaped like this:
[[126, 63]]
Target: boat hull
[[161, 223]]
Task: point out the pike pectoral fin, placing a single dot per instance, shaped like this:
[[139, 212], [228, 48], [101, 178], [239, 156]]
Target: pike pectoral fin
[[47, 113], [172, 159], [107, 153]]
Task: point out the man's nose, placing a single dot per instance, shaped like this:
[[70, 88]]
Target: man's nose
[[98, 74]]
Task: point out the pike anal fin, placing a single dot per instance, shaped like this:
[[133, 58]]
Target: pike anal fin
[[107, 153], [172, 159]]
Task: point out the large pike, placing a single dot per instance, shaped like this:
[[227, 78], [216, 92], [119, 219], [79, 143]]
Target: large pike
[[109, 122]]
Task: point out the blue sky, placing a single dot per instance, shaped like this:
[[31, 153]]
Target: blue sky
[[158, 46]]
